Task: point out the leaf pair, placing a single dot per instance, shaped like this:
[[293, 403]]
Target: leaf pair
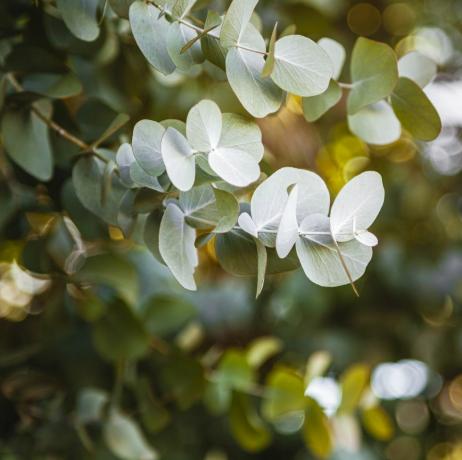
[[230, 144]]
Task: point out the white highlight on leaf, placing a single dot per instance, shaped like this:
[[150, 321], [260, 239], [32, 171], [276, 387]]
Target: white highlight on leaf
[[417, 67], [336, 53]]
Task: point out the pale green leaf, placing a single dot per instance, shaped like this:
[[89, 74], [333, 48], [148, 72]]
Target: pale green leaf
[[204, 126], [178, 159], [262, 262], [357, 205], [415, 111], [176, 245], [241, 133], [301, 66], [374, 73], [236, 21], [287, 234], [146, 141], [270, 59], [80, 17], [320, 260], [316, 106], [417, 67], [376, 124], [228, 209], [178, 36], [258, 95], [262, 349], [336, 53], [150, 32], [181, 8]]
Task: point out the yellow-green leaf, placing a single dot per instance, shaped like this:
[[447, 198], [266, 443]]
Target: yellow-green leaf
[[317, 431], [378, 423], [353, 383]]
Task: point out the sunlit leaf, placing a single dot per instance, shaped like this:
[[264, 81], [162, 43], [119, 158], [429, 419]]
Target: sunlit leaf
[[353, 383], [336, 53], [262, 349], [270, 60], [236, 20], [417, 67]]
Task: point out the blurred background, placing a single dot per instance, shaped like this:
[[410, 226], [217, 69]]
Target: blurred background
[[66, 350]]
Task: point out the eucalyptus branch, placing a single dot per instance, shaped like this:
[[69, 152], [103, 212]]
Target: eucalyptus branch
[[200, 30]]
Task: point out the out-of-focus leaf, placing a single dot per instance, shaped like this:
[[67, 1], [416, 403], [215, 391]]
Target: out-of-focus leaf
[[317, 365], [284, 394], [378, 423], [119, 334], [415, 111], [316, 430], [376, 124], [374, 73], [121, 7], [163, 314], [53, 85], [125, 439], [80, 17], [27, 142], [417, 67], [114, 271], [353, 382], [262, 349], [316, 106], [262, 262], [234, 371], [246, 426], [90, 405]]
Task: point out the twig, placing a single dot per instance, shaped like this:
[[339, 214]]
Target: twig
[[53, 125], [201, 30]]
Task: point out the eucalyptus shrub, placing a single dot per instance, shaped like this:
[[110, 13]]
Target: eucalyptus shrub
[[177, 185]]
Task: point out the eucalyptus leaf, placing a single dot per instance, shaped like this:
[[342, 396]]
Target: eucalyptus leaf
[[228, 209], [150, 32], [415, 111], [357, 206], [176, 245], [336, 53], [322, 264], [287, 234], [146, 141], [262, 262], [181, 8], [270, 58], [27, 143], [178, 159], [417, 67], [53, 85], [235, 22], [258, 95], [316, 106], [301, 66], [177, 37], [376, 124], [80, 17], [374, 73], [125, 439], [204, 126]]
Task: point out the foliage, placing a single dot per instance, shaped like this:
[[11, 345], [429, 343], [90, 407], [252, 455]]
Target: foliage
[[135, 146]]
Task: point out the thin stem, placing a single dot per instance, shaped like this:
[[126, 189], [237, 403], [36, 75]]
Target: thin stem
[[345, 85], [201, 30], [54, 126], [344, 265]]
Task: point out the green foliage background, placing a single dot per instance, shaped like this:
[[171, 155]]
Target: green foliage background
[[112, 359]]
